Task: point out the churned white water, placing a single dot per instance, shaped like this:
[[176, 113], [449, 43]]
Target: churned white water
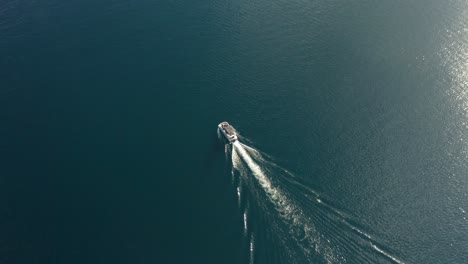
[[306, 228]]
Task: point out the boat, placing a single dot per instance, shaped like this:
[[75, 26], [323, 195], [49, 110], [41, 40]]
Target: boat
[[228, 131]]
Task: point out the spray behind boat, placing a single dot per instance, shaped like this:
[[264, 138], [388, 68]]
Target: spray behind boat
[[295, 219]]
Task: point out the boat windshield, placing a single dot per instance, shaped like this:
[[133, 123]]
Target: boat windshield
[[229, 130]]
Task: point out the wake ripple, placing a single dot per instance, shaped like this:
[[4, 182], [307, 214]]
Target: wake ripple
[[301, 228], [306, 227]]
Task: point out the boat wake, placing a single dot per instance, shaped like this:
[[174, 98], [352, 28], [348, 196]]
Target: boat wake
[[292, 223]]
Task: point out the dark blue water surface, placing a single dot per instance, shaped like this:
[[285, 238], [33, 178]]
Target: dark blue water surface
[[109, 152]]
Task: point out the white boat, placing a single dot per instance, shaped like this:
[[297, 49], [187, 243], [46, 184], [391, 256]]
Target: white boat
[[228, 131]]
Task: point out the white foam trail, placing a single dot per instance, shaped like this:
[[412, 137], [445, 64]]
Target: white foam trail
[[227, 151], [251, 249], [302, 229], [359, 231], [301, 233], [381, 251], [258, 172], [245, 222]]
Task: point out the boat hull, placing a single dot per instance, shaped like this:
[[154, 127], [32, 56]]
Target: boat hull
[[228, 132]]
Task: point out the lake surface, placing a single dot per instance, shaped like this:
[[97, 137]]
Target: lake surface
[[109, 151]]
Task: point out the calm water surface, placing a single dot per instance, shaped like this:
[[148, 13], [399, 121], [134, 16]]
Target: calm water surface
[[109, 152]]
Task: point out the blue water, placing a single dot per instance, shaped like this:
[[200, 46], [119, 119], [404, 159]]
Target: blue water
[[354, 116]]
